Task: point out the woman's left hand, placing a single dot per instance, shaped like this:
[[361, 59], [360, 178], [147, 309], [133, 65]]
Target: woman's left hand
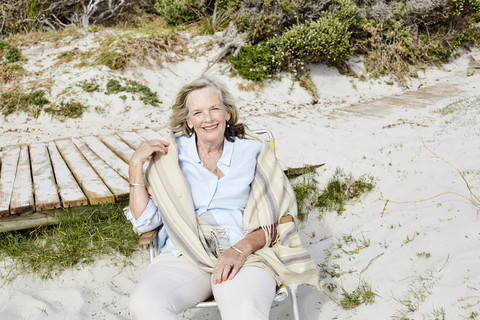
[[228, 265]]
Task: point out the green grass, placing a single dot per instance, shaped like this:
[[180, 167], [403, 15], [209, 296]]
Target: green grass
[[78, 240], [341, 188], [147, 96], [17, 100], [66, 110], [362, 294]]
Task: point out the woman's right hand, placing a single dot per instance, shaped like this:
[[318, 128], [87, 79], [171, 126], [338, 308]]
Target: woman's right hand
[[148, 149]]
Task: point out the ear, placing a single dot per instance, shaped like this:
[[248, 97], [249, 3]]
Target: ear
[[189, 124], [228, 116]]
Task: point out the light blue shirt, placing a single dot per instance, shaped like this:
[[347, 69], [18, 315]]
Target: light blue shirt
[[218, 201]]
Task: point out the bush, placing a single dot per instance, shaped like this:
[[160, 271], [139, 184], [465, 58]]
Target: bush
[[175, 12], [326, 39], [8, 54], [71, 109], [16, 100], [256, 62]]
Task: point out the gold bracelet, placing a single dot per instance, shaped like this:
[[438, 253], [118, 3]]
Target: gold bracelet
[[137, 185], [239, 251]]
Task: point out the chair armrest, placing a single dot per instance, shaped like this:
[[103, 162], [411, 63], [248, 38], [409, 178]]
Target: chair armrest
[[148, 237], [286, 218]]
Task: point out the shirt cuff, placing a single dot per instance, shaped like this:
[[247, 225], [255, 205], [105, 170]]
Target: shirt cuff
[[150, 217]]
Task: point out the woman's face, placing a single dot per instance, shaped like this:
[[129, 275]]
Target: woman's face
[[207, 115]]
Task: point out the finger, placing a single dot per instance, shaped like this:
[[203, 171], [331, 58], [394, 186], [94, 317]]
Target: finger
[[234, 272], [226, 271]]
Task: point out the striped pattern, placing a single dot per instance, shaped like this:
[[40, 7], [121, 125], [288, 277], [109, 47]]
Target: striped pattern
[[271, 197]]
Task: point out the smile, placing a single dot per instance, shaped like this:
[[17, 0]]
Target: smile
[[210, 127]]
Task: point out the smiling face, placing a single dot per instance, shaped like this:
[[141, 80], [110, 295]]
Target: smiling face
[[207, 115]]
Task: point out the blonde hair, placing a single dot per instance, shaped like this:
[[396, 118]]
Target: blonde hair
[[178, 118]]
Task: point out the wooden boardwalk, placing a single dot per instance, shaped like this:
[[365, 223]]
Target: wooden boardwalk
[[65, 173]]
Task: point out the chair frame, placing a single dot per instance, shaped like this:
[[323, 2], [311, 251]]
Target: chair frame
[[150, 239]]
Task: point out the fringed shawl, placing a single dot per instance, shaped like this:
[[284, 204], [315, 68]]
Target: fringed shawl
[[271, 197]]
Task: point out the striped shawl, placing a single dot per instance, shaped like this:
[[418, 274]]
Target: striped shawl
[[271, 197]]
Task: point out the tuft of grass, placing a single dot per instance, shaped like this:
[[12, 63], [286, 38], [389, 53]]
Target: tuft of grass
[[113, 59], [17, 100], [77, 240], [342, 188], [362, 294], [11, 72], [67, 109], [89, 86], [8, 53], [460, 106]]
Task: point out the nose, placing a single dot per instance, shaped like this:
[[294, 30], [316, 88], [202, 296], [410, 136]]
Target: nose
[[208, 116]]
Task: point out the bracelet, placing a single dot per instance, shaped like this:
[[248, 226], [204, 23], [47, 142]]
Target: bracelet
[[137, 185], [239, 251]]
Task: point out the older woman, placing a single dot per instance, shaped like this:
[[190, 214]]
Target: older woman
[[219, 201]]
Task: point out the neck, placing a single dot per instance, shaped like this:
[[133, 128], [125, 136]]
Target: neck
[[209, 148]]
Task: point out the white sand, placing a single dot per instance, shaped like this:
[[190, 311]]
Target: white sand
[[421, 255]]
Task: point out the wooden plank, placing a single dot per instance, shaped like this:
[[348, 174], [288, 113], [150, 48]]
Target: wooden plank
[[70, 192], [133, 139], [150, 134], [46, 193], [22, 194], [117, 185], [21, 222], [110, 158], [120, 148], [7, 177], [91, 184]]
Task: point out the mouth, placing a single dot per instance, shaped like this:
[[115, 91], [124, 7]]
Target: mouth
[[211, 127]]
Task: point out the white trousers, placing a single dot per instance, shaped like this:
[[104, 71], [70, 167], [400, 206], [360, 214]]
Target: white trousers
[[172, 284]]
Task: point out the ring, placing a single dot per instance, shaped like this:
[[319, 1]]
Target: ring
[[231, 265]]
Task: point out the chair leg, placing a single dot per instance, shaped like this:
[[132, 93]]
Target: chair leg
[[293, 292], [152, 251]]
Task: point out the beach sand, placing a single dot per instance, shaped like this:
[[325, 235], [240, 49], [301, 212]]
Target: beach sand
[[421, 258]]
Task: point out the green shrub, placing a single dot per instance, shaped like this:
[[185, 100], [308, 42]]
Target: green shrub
[[16, 100], [10, 54], [112, 59], [256, 62], [175, 12], [325, 39], [146, 94], [64, 110]]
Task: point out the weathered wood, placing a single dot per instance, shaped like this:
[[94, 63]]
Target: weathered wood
[[7, 177], [107, 155], [70, 192], [149, 134], [91, 184], [22, 222], [147, 237], [133, 139], [117, 185], [120, 148], [46, 192], [22, 193]]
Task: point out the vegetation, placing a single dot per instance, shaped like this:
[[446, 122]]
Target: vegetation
[[64, 110], [77, 240], [362, 294], [16, 100], [146, 95], [342, 188]]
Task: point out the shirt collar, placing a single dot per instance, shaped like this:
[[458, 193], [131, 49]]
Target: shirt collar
[[225, 159]]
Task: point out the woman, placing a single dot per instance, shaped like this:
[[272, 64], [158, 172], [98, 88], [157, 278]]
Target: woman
[[210, 188]]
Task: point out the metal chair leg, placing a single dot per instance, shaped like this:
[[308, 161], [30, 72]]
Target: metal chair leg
[[293, 292]]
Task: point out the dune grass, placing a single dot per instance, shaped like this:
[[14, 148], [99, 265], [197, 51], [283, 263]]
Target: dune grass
[[78, 240]]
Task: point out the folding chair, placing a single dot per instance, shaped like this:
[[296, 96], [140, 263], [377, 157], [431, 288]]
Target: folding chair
[[150, 239]]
